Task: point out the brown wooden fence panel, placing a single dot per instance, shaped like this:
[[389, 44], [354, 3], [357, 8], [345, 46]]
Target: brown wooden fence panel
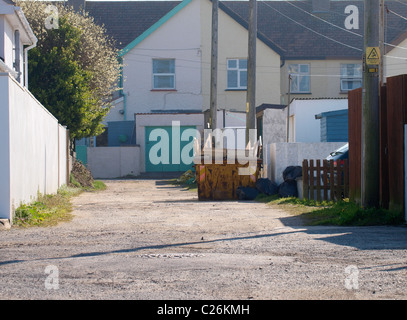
[[384, 163], [305, 182], [355, 140], [396, 118], [318, 180], [318, 171], [346, 179], [393, 116], [325, 177], [311, 179]]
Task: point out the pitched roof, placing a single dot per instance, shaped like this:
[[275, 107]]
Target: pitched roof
[[9, 2], [154, 27], [288, 27], [304, 34], [126, 20]]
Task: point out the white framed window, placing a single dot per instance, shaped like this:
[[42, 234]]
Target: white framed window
[[164, 74], [351, 76], [300, 78], [237, 74]]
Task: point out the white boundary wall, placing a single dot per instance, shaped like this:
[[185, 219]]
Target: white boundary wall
[[114, 162], [285, 154], [33, 148]]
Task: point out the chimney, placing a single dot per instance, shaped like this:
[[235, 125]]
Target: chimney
[[320, 6], [78, 5]]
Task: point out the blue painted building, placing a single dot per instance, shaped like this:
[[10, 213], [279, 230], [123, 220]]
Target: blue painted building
[[121, 133], [334, 125]]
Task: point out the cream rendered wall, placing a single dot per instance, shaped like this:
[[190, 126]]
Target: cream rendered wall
[[177, 38], [324, 81], [233, 43], [395, 61]]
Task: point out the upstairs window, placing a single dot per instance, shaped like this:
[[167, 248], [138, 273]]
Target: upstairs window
[[300, 78], [164, 74], [237, 74], [351, 76]]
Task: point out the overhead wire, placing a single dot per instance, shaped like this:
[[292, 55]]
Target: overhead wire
[[287, 17], [323, 20], [344, 29], [312, 30]]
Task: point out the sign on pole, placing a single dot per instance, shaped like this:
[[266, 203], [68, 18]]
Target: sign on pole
[[373, 56]]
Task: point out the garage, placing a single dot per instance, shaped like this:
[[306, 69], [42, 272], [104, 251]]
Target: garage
[[169, 148]]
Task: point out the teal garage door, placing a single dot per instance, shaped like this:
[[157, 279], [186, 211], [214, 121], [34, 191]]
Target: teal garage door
[[169, 149]]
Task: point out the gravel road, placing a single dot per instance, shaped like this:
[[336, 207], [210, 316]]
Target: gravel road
[[147, 239]]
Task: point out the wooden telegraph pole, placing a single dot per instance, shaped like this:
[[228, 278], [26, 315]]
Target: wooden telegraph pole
[[381, 41], [370, 107], [214, 67], [251, 70]]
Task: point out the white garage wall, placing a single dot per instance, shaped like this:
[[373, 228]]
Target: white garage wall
[[306, 127], [114, 162]]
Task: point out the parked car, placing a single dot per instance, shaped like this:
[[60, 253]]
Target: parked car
[[339, 154]]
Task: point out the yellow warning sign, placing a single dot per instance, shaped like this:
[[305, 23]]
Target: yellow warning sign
[[373, 56]]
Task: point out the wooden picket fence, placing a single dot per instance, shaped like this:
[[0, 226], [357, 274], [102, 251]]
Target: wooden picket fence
[[318, 184]]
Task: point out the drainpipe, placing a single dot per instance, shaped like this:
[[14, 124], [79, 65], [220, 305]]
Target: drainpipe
[[121, 81], [26, 49], [124, 107]]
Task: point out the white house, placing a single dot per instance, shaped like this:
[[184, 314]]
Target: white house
[[16, 38], [165, 48], [166, 72], [162, 82]]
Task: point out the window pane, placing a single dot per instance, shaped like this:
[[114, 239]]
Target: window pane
[[232, 79], [344, 70], [243, 64], [351, 70], [163, 66], [243, 79], [294, 83], [358, 73], [304, 68], [164, 82], [304, 84], [293, 68], [232, 63], [350, 85]]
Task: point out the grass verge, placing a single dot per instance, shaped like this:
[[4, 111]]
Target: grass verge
[[49, 210], [341, 213]]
